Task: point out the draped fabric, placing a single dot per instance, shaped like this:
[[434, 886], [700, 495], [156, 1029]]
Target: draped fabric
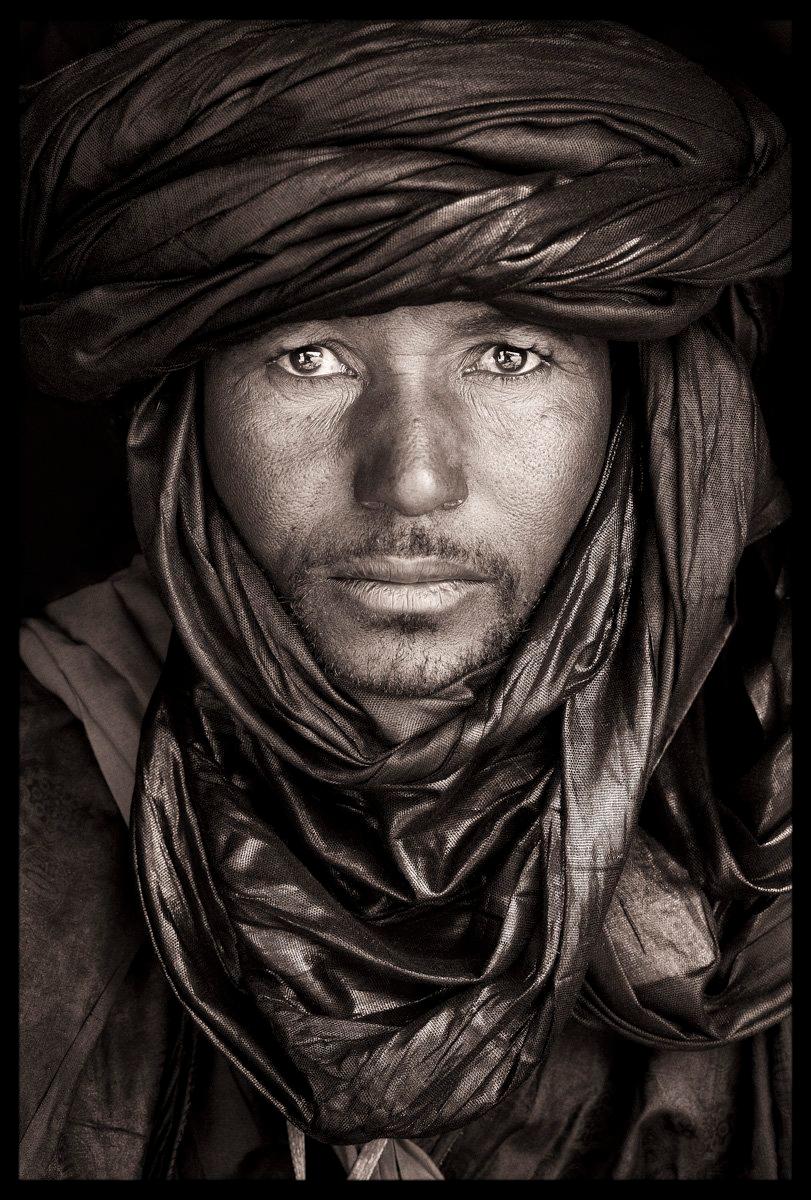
[[387, 939], [200, 178]]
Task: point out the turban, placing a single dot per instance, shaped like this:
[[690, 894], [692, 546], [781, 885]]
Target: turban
[[386, 939], [202, 178]]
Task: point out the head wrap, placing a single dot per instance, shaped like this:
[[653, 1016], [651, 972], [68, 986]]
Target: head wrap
[[203, 177], [386, 938]]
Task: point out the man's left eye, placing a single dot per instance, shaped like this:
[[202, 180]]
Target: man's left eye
[[509, 360], [307, 361]]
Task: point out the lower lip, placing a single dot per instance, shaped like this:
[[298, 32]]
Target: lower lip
[[435, 596]]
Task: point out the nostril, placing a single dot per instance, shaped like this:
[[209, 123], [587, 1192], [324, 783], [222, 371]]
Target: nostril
[[410, 478]]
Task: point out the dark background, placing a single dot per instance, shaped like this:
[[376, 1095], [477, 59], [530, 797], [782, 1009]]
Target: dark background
[[75, 522]]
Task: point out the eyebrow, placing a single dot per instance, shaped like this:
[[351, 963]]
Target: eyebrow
[[482, 324]]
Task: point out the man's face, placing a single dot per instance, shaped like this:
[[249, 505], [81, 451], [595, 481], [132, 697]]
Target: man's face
[[409, 480]]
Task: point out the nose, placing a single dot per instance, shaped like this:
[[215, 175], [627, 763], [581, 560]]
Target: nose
[[409, 459]]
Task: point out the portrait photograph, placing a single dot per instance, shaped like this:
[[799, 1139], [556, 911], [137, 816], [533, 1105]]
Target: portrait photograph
[[406, 477]]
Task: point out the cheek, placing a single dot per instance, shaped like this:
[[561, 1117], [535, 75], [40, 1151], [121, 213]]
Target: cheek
[[267, 476], [542, 483]]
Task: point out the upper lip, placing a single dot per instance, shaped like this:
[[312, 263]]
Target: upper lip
[[403, 570]]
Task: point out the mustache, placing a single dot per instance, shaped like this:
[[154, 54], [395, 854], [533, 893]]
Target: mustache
[[417, 541]]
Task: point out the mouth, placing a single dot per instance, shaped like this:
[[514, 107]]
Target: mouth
[[408, 571], [388, 584]]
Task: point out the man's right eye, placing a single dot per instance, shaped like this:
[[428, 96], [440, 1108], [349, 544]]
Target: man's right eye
[[315, 361]]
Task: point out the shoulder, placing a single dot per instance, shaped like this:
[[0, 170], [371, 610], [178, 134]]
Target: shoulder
[[100, 651], [72, 835], [77, 896]]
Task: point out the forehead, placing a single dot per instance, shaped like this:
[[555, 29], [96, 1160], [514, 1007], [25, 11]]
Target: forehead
[[446, 323], [457, 316]]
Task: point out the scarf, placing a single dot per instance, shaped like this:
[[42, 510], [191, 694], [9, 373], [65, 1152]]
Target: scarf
[[386, 939]]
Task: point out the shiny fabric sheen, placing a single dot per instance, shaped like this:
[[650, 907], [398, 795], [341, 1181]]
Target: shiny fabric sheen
[[387, 940], [335, 910], [200, 179]]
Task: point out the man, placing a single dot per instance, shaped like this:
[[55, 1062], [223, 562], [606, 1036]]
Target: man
[[434, 762]]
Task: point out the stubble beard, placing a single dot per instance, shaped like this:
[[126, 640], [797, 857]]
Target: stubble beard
[[409, 655]]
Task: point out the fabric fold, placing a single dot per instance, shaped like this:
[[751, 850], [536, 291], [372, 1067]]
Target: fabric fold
[[386, 940]]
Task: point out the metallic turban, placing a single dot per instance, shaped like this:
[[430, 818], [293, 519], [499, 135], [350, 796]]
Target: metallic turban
[[200, 179]]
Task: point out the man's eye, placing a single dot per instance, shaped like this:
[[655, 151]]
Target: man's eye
[[312, 361], [509, 360]]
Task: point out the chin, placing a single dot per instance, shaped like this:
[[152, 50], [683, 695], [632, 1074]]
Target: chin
[[406, 654], [410, 659], [410, 672]]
